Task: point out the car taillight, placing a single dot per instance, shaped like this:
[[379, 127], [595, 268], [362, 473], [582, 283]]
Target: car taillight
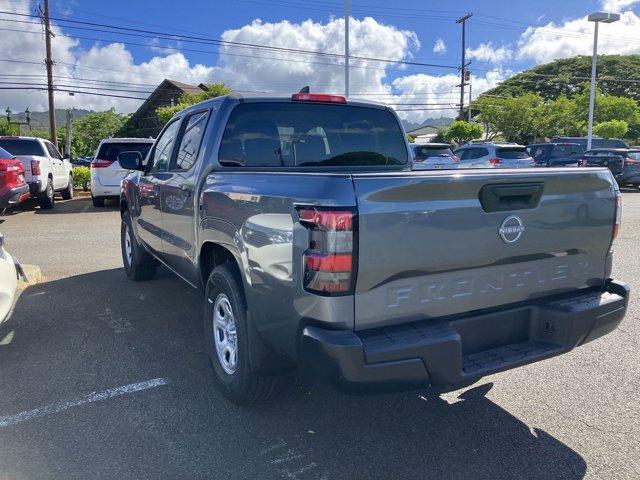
[[618, 215], [318, 97], [495, 161], [35, 167], [328, 261], [630, 161], [101, 163]]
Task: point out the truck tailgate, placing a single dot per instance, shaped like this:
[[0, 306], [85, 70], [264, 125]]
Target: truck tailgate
[[433, 244]]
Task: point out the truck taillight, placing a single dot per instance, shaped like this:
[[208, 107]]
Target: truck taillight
[[35, 167], [630, 161], [618, 215], [495, 162], [328, 260], [101, 163], [318, 97]]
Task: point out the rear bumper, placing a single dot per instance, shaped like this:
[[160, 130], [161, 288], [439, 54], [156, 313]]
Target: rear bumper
[[35, 187], [450, 353], [13, 196]]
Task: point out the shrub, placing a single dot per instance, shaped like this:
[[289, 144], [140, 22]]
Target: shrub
[[81, 176]]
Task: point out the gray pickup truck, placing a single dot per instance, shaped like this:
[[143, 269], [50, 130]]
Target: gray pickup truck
[[316, 246]]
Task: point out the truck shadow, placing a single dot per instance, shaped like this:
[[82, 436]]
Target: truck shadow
[[81, 204], [96, 331]]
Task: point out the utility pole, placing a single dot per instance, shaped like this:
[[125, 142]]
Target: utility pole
[[49, 64], [469, 82], [463, 66], [67, 143], [346, 48]]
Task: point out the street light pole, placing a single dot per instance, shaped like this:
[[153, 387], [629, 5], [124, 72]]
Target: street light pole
[[346, 48], [596, 18]]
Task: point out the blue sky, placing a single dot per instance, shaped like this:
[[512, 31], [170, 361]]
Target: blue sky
[[503, 37]]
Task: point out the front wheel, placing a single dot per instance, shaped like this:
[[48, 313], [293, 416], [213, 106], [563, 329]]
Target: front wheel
[[138, 263], [98, 201], [227, 340], [67, 193]]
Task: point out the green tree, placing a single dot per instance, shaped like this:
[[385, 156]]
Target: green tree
[[519, 119], [611, 129], [188, 99], [560, 118], [461, 132], [607, 107], [92, 128]]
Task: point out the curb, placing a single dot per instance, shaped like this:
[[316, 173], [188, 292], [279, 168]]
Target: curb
[[33, 274]]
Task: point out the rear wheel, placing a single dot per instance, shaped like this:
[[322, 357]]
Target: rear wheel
[[138, 263], [67, 193], [46, 199], [98, 201], [227, 340]]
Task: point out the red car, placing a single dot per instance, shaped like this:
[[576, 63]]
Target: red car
[[13, 188]]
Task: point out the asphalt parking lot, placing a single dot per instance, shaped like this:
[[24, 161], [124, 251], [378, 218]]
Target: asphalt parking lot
[[101, 377]]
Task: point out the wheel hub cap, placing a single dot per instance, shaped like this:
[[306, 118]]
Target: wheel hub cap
[[224, 333]]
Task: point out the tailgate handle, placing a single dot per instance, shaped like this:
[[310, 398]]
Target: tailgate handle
[[498, 198]]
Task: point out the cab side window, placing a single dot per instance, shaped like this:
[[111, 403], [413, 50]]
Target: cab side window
[[190, 142], [161, 154], [53, 151]]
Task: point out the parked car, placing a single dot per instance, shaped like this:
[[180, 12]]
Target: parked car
[[556, 154], [624, 163], [106, 171], [301, 221], [493, 155], [13, 187], [81, 161], [596, 142], [46, 171], [433, 156], [10, 272]]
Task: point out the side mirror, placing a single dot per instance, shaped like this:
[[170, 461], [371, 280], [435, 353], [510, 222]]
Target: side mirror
[[66, 156], [131, 160]]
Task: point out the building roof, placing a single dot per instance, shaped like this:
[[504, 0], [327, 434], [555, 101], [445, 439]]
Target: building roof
[[184, 86]]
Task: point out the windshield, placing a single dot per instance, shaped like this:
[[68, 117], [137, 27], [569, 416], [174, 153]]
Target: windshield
[[512, 153], [426, 151], [110, 151], [311, 135], [20, 146], [4, 155]]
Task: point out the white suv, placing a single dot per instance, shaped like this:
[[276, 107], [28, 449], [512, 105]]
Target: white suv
[[106, 172], [45, 170]]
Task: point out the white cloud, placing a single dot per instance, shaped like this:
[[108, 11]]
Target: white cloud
[[617, 5], [241, 68], [485, 52], [440, 47], [575, 37]]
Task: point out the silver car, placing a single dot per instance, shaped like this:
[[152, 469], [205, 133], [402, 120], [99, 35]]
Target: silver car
[[433, 156], [494, 155]]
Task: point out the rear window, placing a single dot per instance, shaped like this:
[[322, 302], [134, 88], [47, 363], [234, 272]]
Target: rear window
[[18, 146], [427, 151], [110, 151], [634, 154], [311, 135], [512, 153], [567, 150]]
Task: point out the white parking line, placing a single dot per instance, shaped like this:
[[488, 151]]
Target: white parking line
[[7, 420]]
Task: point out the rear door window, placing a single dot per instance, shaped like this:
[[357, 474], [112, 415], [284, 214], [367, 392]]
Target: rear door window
[[17, 146], [53, 151], [110, 151], [512, 153], [190, 142], [296, 134]]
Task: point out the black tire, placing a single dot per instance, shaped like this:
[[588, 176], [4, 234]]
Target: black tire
[[140, 265], [98, 201], [46, 200], [67, 193], [244, 386]]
